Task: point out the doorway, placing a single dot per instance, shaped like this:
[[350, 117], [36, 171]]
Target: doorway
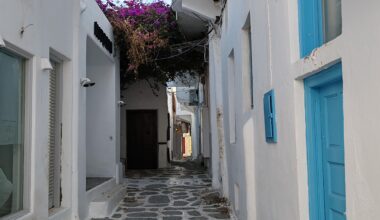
[[325, 144], [142, 139]]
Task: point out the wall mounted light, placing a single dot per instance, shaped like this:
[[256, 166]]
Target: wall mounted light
[[121, 103], [86, 82], [46, 65], [2, 43]]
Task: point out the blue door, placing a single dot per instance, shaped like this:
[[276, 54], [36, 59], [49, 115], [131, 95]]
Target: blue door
[[324, 107], [331, 104]]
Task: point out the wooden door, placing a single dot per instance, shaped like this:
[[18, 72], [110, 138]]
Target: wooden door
[[142, 143], [325, 140], [331, 107]]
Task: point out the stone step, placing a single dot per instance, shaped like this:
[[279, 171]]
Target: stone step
[[103, 205]]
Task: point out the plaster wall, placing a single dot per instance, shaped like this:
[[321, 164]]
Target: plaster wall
[[139, 96], [195, 133], [100, 114], [169, 93], [220, 179], [87, 44], [52, 28], [274, 176], [239, 164], [206, 8], [41, 39], [193, 113], [205, 132]]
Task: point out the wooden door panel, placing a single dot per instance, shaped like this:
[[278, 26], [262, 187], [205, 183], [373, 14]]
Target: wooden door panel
[[325, 144], [142, 149], [331, 99]]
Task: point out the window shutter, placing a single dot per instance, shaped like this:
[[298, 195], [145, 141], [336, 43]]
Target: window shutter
[[267, 115], [311, 25], [53, 145], [270, 117]]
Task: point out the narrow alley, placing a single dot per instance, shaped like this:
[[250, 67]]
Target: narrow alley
[[180, 192], [189, 109]]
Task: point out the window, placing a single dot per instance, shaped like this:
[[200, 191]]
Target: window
[[231, 96], [11, 133], [270, 117], [320, 22], [247, 64]]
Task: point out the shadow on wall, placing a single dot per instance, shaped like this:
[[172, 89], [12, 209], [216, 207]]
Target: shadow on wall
[[100, 113]]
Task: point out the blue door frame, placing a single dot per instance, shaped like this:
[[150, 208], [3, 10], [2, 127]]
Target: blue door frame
[[317, 152]]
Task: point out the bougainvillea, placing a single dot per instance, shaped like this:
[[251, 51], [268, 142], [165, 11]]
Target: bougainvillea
[[149, 40]]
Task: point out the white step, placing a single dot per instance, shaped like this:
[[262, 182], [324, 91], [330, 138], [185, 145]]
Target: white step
[[103, 205]]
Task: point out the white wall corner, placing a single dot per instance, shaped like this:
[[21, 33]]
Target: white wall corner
[[205, 8]]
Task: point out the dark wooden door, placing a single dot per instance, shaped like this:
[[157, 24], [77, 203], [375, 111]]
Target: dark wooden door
[[142, 143]]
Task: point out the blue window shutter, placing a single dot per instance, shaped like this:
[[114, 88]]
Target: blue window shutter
[[267, 115], [310, 25], [270, 117]]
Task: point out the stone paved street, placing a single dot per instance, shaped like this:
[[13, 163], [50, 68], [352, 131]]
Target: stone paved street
[[171, 194]]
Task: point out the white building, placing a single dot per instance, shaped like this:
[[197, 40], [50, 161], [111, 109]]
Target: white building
[[289, 110], [144, 127], [293, 119], [188, 103], [53, 141]]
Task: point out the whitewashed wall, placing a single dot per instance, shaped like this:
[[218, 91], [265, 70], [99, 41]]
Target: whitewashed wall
[[107, 90], [40, 39], [139, 96], [169, 93], [54, 28], [100, 114], [192, 113], [272, 178]]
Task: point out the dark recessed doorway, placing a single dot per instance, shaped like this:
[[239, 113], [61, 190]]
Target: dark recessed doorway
[[142, 143]]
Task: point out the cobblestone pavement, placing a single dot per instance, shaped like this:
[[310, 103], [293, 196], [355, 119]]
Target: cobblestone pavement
[[171, 194]]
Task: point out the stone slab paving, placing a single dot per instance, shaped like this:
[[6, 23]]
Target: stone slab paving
[[180, 192]]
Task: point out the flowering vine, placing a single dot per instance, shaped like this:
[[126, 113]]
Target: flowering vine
[[145, 34]]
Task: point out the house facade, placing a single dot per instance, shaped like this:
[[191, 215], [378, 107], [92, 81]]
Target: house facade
[[144, 126], [53, 143], [286, 120], [293, 121]]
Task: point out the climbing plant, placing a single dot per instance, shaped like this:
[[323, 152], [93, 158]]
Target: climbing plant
[[150, 43]]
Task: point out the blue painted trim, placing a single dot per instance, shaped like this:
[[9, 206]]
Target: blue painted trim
[[310, 25], [270, 117], [327, 76], [313, 137]]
